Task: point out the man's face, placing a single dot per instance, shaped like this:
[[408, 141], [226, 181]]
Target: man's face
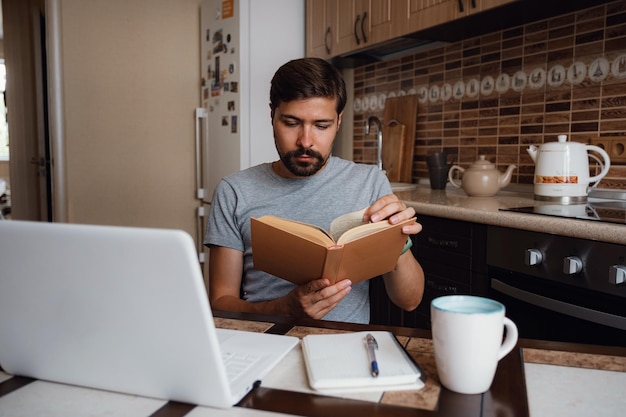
[[304, 132]]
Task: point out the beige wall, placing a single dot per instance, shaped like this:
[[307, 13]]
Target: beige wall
[[4, 170], [130, 82]]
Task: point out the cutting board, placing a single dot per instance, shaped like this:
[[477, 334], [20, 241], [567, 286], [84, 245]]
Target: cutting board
[[393, 144], [404, 111]]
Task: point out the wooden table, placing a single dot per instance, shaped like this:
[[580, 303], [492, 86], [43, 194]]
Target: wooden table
[[507, 395]]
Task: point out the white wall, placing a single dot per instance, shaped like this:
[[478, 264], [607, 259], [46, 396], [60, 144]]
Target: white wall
[[130, 87]]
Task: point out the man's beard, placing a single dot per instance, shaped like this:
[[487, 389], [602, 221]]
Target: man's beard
[[303, 169]]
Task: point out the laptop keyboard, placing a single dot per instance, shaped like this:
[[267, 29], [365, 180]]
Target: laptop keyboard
[[237, 363]]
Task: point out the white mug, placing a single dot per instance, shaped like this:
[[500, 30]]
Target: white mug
[[467, 336]]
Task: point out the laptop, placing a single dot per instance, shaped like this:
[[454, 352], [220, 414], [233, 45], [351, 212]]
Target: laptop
[[120, 309]]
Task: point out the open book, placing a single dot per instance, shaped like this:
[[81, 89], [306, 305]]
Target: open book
[[300, 252], [340, 362]]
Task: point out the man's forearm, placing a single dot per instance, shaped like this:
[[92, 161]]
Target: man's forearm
[[405, 284], [230, 303]]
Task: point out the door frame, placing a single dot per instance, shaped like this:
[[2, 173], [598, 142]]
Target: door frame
[[35, 110]]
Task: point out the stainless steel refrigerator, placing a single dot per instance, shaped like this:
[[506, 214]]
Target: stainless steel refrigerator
[[243, 42]]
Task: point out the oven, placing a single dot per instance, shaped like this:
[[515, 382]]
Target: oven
[[559, 288]]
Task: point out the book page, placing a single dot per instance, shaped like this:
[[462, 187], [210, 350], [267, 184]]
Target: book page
[[370, 228], [307, 231], [346, 222], [363, 230]]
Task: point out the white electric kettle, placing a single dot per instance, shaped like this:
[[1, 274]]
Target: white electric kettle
[[562, 170]]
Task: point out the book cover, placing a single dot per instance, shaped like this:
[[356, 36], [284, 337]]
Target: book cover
[[300, 252]]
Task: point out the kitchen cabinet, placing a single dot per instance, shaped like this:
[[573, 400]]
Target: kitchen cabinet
[[335, 27], [321, 27], [339, 27], [424, 14], [363, 23], [452, 254]]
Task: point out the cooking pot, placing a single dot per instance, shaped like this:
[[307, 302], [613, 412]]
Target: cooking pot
[[562, 170]]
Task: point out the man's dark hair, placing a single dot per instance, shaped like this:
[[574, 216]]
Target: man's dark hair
[[307, 78]]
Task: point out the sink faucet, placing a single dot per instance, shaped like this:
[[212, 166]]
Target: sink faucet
[[379, 137]]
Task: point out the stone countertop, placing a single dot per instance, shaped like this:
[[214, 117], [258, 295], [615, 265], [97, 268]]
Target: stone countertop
[[453, 203]]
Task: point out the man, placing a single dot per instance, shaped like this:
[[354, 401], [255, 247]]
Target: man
[[307, 98]]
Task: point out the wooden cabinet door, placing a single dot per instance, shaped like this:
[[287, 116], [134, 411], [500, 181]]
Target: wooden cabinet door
[[362, 23], [399, 16], [467, 7], [348, 27], [321, 28], [423, 14], [336, 27], [413, 15], [379, 20]]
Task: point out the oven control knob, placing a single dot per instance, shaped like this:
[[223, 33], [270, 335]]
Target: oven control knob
[[533, 257], [617, 274], [572, 265]]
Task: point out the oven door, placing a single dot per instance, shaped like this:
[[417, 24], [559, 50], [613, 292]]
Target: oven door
[[552, 311]]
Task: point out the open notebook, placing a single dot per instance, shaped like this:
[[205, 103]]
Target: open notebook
[[120, 309]]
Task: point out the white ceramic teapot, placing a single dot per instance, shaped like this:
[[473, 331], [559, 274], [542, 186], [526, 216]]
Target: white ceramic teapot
[[562, 170]]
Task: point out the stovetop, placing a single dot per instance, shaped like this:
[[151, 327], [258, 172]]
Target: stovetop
[[607, 211]]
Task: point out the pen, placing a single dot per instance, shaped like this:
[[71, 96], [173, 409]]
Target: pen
[[372, 345]]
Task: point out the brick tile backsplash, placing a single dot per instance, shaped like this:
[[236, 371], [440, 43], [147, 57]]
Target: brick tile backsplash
[[497, 94]]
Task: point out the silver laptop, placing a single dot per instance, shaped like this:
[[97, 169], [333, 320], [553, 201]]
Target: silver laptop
[[121, 309]]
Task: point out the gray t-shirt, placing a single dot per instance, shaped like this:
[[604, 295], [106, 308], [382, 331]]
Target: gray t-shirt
[[341, 187]]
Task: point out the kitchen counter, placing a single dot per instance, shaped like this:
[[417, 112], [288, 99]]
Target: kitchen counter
[[453, 203], [534, 379]]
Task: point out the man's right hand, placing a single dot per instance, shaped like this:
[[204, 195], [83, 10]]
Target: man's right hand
[[316, 298]]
